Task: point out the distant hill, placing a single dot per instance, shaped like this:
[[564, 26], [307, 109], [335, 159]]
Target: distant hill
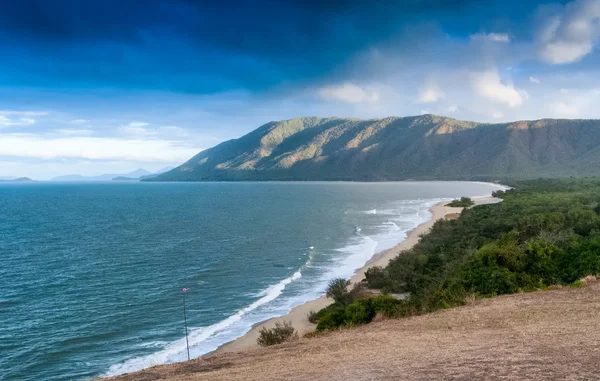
[[144, 177], [419, 147], [106, 177], [16, 179]]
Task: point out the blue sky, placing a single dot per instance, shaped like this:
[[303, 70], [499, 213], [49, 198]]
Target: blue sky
[[108, 86]]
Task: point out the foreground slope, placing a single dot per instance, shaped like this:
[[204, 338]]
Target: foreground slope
[[544, 335], [421, 147]]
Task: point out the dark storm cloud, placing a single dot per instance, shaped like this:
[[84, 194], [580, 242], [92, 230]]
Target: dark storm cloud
[[202, 46]]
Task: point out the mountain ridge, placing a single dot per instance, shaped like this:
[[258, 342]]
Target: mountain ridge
[[105, 177], [421, 147]]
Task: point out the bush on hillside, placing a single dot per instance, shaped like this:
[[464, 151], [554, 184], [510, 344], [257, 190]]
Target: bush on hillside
[[281, 333], [378, 278], [337, 290], [361, 311]]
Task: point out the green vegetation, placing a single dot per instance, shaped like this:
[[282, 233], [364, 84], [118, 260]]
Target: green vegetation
[[353, 307], [464, 202], [425, 147], [544, 233], [281, 333]]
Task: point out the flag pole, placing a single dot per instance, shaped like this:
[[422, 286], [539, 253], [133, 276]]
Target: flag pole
[[185, 325]]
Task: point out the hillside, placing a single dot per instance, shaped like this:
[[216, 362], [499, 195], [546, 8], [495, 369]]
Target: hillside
[[421, 147], [544, 335]]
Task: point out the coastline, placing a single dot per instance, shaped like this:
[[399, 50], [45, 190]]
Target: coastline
[[298, 316]]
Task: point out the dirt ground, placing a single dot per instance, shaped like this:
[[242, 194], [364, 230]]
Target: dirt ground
[[545, 335]]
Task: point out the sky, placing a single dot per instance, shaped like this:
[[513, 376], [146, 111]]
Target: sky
[[93, 87]]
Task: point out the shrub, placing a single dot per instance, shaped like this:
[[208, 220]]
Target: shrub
[[359, 312], [281, 333], [313, 317], [338, 291], [332, 319], [464, 202], [389, 306], [378, 278]]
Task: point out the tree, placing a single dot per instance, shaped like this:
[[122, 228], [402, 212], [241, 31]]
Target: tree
[[338, 291]]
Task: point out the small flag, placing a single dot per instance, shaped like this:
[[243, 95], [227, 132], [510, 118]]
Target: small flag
[[185, 289]]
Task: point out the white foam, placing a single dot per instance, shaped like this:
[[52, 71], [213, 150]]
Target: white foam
[[175, 351]]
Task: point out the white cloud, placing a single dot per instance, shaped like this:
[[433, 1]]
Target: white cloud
[[423, 112], [74, 132], [10, 122], [430, 93], [497, 115], [136, 129], [138, 124], [79, 121], [23, 113], [94, 148], [495, 37], [571, 33], [173, 131], [563, 109], [534, 80], [349, 93], [12, 118], [452, 108], [489, 85]]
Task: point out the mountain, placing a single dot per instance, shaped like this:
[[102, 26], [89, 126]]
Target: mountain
[[418, 147], [162, 170], [15, 179], [106, 177], [130, 177]]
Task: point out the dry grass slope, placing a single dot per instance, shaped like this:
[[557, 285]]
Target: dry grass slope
[[545, 335]]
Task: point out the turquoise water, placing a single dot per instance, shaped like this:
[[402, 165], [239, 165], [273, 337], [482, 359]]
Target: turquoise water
[[91, 274]]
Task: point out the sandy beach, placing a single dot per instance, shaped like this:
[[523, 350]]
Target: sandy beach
[[298, 315]]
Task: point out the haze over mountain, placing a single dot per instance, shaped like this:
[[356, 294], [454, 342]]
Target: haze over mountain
[[418, 147], [144, 177], [106, 177], [15, 179]]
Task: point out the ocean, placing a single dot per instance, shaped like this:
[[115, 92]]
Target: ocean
[[91, 274]]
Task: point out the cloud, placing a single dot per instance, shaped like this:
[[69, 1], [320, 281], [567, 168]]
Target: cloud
[[10, 122], [79, 121], [534, 80], [570, 33], [452, 108], [489, 85], [74, 132], [24, 113], [18, 118], [497, 115], [173, 131], [494, 37], [138, 124], [94, 148], [563, 109], [430, 93], [135, 129], [349, 93]]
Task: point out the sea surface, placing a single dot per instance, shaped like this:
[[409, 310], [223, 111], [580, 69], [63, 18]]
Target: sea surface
[[91, 275]]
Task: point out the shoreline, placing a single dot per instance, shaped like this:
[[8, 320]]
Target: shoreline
[[298, 316]]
